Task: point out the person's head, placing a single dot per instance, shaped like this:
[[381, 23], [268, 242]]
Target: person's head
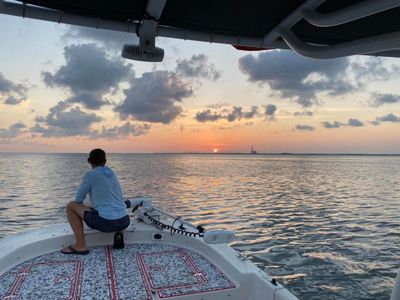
[[97, 157]]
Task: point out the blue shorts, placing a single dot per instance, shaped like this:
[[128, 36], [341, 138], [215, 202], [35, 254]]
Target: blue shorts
[[94, 221]]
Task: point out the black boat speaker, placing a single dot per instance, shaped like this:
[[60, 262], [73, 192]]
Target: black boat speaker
[[135, 52]]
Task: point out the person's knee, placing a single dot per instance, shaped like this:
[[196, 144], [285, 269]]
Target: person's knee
[[77, 209], [70, 206]]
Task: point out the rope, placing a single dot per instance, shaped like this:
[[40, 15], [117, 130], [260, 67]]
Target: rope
[[172, 226]]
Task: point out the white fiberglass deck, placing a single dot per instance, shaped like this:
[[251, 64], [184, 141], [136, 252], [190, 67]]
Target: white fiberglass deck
[[139, 271], [155, 264]]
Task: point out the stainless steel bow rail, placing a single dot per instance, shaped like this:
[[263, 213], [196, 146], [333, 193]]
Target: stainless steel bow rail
[[281, 36]]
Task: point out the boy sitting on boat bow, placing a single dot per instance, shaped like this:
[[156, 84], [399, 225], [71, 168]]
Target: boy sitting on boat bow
[[108, 210]]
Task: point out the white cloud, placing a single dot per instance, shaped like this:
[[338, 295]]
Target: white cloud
[[65, 120], [126, 130], [13, 93], [378, 99], [301, 79], [389, 118], [89, 74], [230, 114], [13, 131], [154, 97], [197, 67]]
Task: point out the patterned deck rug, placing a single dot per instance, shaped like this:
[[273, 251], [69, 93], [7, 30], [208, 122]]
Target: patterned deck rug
[[136, 272]]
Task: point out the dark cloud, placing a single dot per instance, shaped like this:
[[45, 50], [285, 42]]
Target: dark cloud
[[330, 125], [13, 131], [12, 100], [355, 123], [18, 125], [375, 123], [111, 39], [235, 114], [207, 115], [89, 74], [389, 118], [14, 93], [218, 105], [373, 69], [198, 67], [251, 114], [304, 128], [296, 77], [300, 79], [126, 130], [231, 115], [381, 99], [305, 113], [6, 85], [336, 124], [65, 120], [270, 110], [153, 97]]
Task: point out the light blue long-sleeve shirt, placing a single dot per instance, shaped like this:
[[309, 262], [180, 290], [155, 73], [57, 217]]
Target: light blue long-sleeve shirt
[[104, 191]]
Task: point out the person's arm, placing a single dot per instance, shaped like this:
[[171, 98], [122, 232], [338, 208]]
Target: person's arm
[[84, 189]]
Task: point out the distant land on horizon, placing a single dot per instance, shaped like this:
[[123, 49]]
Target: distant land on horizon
[[222, 153], [279, 153]]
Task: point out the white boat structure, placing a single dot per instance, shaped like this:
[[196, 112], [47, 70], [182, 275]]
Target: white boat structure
[[159, 261], [164, 258]]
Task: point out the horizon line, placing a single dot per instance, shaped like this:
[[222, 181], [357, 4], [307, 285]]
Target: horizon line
[[222, 153]]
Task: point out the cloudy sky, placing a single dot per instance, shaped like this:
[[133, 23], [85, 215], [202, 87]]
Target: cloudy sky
[[67, 89]]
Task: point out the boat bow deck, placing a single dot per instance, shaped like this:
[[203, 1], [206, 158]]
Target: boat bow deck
[[139, 271]]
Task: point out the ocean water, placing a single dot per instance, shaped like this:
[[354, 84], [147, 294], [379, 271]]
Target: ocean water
[[326, 227]]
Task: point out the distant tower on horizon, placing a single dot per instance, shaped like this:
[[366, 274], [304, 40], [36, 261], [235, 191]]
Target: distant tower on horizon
[[252, 150]]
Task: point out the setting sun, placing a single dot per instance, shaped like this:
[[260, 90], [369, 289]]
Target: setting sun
[[215, 150]]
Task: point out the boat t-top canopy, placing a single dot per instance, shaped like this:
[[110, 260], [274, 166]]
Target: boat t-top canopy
[[312, 28]]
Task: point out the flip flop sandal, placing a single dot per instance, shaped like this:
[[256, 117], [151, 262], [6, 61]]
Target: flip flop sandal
[[74, 251]]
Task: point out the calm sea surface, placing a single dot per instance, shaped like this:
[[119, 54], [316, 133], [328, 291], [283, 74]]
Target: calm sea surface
[[327, 227]]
